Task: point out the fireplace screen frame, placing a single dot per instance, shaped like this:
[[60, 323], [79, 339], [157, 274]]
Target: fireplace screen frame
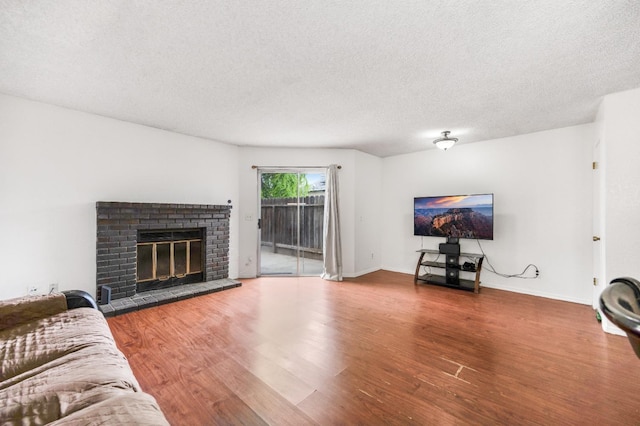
[[188, 263], [169, 257]]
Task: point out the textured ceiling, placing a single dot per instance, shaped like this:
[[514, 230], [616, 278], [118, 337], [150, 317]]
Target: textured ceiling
[[382, 76]]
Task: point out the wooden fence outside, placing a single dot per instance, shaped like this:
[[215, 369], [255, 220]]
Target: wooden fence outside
[[278, 224]]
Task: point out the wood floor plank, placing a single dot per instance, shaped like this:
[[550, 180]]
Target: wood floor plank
[[290, 386], [265, 401], [231, 411], [377, 349], [300, 367]]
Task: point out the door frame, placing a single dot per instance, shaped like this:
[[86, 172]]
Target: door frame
[[599, 272], [282, 169]]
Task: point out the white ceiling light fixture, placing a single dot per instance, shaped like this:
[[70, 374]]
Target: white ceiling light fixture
[[445, 142]]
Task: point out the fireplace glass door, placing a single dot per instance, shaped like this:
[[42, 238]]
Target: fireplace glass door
[[167, 258]]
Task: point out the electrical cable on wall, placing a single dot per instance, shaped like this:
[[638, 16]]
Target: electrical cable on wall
[[491, 269], [427, 269]]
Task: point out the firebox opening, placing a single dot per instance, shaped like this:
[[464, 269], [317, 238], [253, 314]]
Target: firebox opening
[[167, 258]]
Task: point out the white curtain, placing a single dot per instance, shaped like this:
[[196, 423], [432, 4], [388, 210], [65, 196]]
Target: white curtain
[[332, 260]]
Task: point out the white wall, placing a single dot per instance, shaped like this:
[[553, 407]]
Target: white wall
[[622, 207], [543, 200], [619, 114], [56, 163], [368, 213], [356, 167]]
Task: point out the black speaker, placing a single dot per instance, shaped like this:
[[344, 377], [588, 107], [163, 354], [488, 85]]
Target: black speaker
[[105, 295], [449, 248], [452, 261], [453, 276]]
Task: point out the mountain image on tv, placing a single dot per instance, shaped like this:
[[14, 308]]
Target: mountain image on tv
[[461, 216]]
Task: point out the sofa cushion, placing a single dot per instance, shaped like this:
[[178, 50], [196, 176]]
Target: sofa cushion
[[67, 366], [22, 310]]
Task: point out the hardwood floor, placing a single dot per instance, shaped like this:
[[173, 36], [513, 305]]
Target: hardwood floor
[[378, 350]]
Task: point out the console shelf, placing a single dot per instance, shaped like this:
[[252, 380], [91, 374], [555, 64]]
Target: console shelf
[[452, 269]]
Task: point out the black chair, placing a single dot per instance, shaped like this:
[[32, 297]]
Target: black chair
[[620, 302]]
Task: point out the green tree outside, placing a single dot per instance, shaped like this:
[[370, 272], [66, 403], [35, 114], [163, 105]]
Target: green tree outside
[[284, 185]]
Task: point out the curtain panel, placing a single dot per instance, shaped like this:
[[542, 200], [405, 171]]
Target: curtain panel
[[332, 260]]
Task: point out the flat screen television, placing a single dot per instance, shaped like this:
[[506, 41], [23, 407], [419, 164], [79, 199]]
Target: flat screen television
[[454, 216]]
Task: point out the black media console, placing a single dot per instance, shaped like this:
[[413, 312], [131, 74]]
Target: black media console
[[451, 266]]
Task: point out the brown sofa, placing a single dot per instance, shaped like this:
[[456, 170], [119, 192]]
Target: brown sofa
[[61, 366]]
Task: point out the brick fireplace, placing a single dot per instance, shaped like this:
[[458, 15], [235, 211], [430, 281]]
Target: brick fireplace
[[120, 226]]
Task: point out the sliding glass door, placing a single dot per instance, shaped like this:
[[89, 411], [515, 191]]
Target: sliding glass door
[[291, 205]]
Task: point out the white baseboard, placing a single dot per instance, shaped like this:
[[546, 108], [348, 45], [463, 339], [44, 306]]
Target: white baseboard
[[539, 294], [511, 289], [363, 272], [401, 271]]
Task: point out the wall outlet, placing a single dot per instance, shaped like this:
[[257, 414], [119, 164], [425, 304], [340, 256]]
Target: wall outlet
[[53, 288], [32, 290]]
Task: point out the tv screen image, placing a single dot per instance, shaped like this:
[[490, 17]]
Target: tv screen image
[[459, 216]]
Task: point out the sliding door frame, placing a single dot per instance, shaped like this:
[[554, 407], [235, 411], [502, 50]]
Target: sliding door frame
[[291, 170]]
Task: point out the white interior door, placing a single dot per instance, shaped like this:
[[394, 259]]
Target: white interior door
[[598, 225]]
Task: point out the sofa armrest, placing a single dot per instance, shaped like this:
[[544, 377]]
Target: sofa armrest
[[21, 310], [79, 299]]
